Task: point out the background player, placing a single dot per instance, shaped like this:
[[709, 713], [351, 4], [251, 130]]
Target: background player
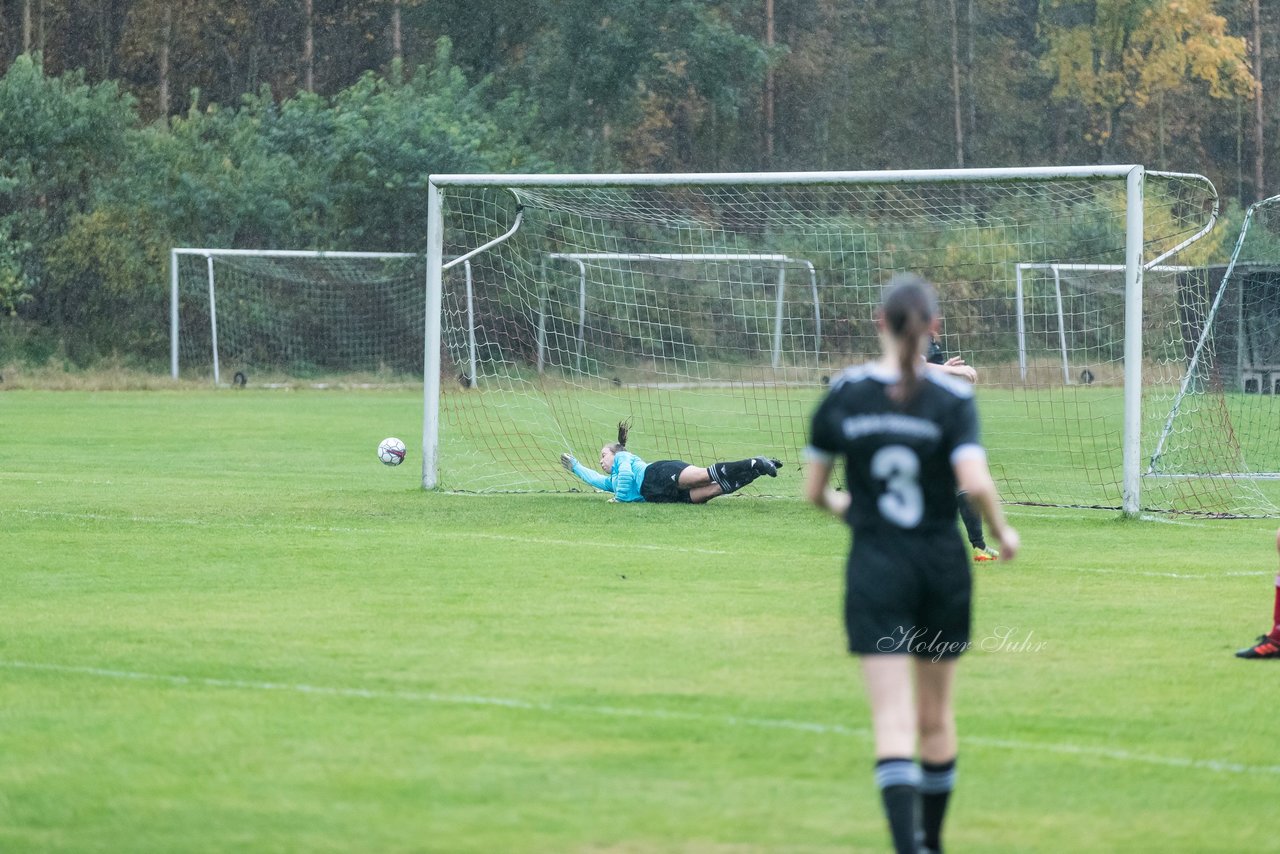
[[908, 436], [630, 478], [1268, 645], [972, 521]]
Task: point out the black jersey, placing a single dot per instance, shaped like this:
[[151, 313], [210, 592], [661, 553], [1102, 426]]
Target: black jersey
[[898, 462], [934, 354]]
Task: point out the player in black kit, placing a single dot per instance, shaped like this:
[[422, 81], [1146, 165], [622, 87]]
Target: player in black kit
[[972, 523], [909, 439]]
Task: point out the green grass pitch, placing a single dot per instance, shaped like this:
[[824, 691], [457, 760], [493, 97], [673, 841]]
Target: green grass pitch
[[224, 626]]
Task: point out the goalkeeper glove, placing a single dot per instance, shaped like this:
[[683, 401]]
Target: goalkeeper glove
[[568, 461]]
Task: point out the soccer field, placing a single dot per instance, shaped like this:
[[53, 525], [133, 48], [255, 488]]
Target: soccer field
[[224, 626]]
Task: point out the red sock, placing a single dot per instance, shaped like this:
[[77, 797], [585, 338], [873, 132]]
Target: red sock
[[1275, 615]]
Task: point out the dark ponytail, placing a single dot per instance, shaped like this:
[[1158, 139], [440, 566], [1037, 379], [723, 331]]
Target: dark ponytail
[[908, 307], [624, 427]]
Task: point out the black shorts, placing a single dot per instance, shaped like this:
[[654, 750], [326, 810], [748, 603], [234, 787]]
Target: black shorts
[[661, 484], [908, 593]]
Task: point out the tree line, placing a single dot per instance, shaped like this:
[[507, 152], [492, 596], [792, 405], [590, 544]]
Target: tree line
[[129, 126]]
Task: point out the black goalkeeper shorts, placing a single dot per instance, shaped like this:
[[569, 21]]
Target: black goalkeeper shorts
[[661, 484], [908, 593]]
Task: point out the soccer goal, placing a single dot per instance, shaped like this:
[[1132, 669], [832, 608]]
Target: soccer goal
[[1230, 386], [657, 298], [283, 316]]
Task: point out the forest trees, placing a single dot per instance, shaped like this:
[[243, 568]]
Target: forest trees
[[57, 137], [91, 200], [316, 123], [681, 84]]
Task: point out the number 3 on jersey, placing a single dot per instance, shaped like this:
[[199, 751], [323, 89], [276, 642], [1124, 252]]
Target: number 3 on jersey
[[902, 501]]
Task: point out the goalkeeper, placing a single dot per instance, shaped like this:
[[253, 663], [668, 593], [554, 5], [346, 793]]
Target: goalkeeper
[[972, 522], [630, 478]]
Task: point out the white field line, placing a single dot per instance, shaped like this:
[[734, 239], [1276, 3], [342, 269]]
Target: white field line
[[1141, 573], [562, 543], [547, 541], [1075, 515], [1183, 522], [1205, 576], [1011, 511], [266, 525], [431, 697], [1078, 515], [468, 535], [1072, 513]]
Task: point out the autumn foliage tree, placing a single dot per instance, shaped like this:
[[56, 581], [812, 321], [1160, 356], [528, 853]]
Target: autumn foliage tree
[[1132, 67]]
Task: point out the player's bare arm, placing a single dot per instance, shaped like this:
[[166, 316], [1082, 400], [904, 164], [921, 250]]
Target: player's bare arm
[[956, 367]]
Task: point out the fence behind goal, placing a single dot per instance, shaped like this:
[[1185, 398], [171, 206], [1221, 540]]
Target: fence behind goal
[[664, 299]]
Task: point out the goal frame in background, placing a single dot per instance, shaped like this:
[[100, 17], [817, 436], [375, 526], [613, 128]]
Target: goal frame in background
[[209, 255], [781, 262], [1056, 269], [1133, 175]]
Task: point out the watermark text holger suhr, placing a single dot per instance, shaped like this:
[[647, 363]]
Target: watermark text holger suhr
[[923, 642]]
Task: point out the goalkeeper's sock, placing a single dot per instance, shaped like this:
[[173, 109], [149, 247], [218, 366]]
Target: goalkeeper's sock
[[729, 475], [936, 782], [899, 782], [720, 477], [1275, 614], [737, 474]]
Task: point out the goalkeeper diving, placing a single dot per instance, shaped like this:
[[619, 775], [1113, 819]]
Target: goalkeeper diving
[[631, 479]]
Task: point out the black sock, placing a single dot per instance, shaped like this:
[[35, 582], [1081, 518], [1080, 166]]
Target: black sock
[[720, 476], [899, 782], [735, 475], [972, 521], [936, 783]]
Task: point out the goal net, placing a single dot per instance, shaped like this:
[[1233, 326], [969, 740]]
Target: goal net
[[713, 310], [288, 316], [1223, 422]]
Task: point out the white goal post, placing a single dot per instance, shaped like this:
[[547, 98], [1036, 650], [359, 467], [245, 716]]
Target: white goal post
[[709, 371]]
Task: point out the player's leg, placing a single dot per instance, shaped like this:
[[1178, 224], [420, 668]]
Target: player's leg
[[893, 721], [694, 476], [733, 476], [937, 722], [703, 494], [1268, 645], [973, 528], [697, 485]]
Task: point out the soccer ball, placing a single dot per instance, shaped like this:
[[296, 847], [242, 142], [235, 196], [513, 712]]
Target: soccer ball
[[391, 451]]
